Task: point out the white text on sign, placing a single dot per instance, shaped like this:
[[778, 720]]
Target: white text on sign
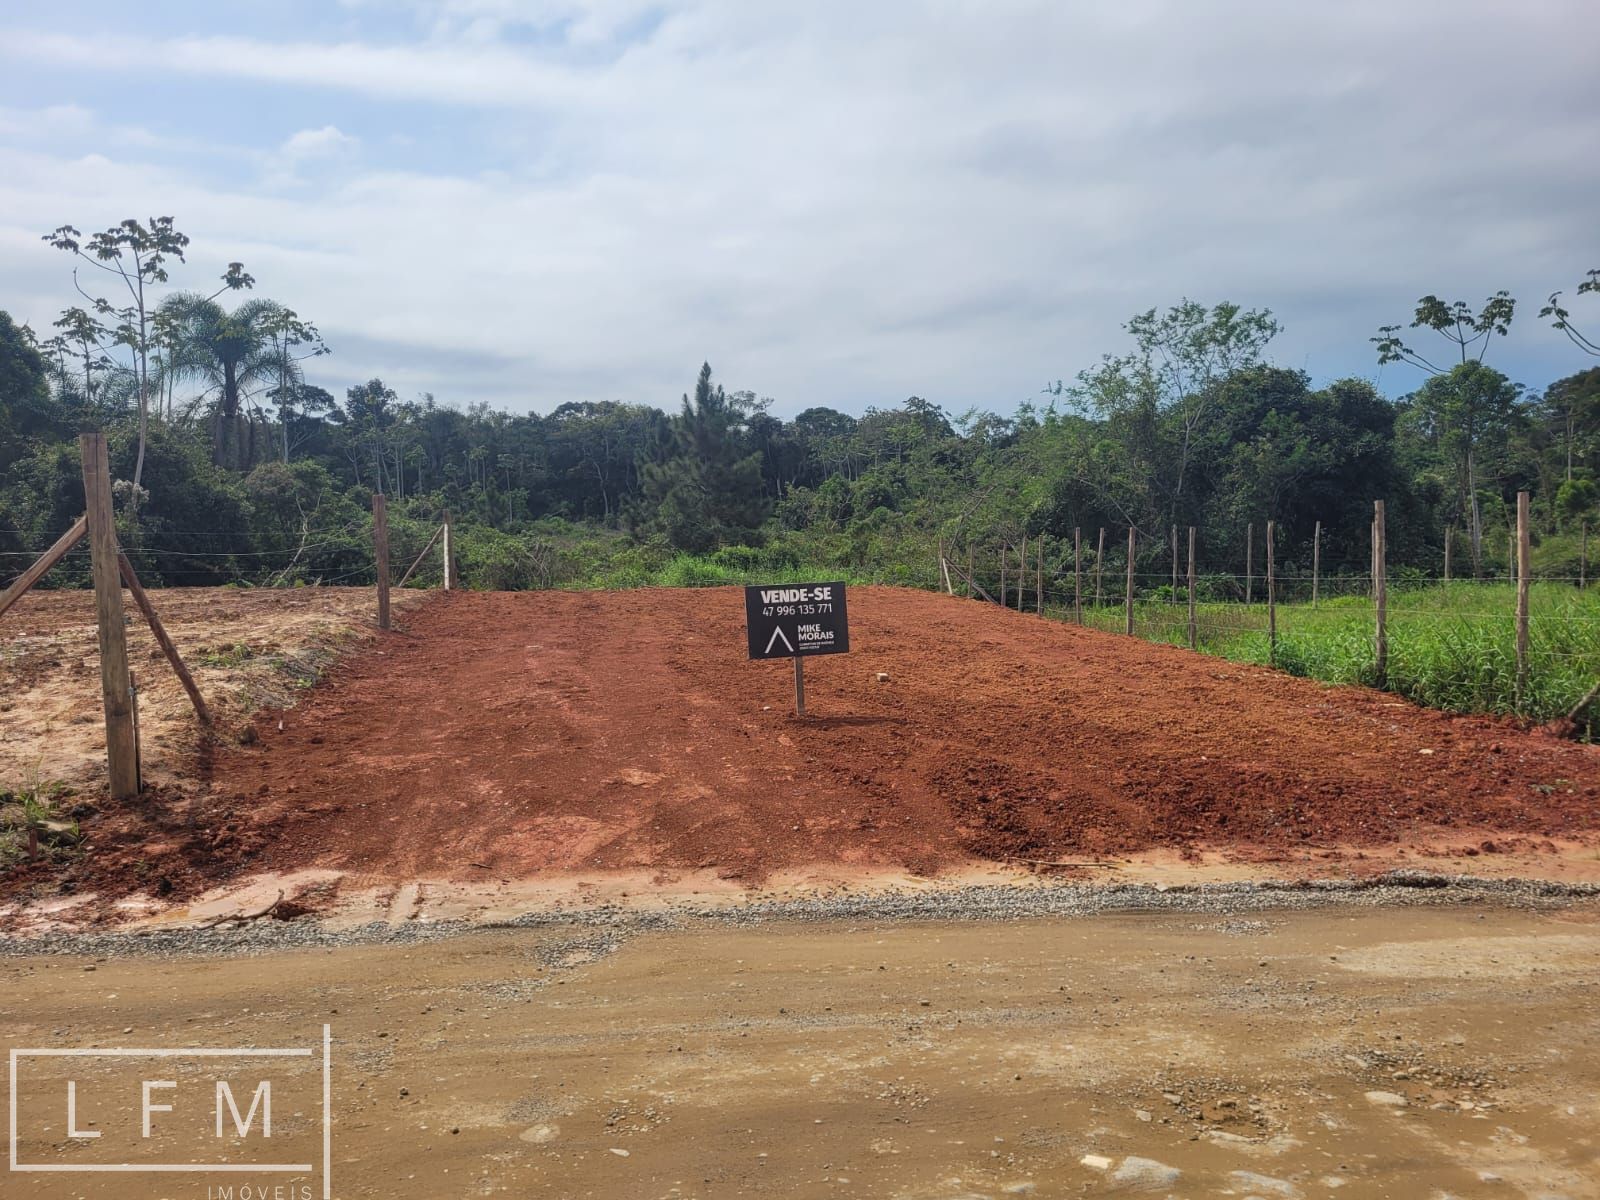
[[796, 595]]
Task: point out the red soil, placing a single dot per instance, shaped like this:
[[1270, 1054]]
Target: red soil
[[565, 730], [534, 732]]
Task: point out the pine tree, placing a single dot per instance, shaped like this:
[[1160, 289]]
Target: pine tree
[[707, 491]]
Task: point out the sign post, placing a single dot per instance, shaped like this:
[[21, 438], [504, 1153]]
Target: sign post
[[796, 621]]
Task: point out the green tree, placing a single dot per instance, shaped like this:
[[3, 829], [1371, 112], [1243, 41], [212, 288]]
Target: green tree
[[1562, 319], [1161, 396], [1462, 412], [708, 490], [370, 412], [26, 412], [135, 254], [290, 341], [1571, 411], [1456, 323]]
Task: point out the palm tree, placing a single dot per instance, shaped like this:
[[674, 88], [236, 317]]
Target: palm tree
[[231, 354]]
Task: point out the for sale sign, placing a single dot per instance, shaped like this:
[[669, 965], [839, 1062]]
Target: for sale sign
[[796, 620]]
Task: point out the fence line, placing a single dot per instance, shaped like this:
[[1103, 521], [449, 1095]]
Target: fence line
[[1378, 626]]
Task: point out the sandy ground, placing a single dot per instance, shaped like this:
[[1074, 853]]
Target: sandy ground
[[247, 650], [1339, 1053]]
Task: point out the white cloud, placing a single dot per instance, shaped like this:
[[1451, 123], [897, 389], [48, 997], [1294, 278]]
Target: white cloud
[[849, 204], [316, 143]]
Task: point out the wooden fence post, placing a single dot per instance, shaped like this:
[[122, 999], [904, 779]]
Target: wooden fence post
[[380, 552], [1524, 545], [1249, 560], [1099, 564], [116, 685], [1316, 563], [1128, 603], [1272, 600], [1194, 643], [449, 549], [1077, 574], [1372, 561], [1380, 595], [1039, 590], [1022, 571]]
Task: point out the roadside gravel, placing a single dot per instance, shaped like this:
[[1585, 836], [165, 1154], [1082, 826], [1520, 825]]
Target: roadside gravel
[[987, 903]]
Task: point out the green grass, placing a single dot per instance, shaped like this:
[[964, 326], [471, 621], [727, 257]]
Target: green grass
[[1450, 647], [32, 825]]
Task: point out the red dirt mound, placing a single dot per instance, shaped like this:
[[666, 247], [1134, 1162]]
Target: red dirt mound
[[564, 730], [531, 732]]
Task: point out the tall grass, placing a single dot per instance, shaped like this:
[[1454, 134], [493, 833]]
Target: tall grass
[[1450, 646]]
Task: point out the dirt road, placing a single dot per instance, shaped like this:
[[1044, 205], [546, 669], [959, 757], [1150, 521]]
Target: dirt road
[[1349, 1053]]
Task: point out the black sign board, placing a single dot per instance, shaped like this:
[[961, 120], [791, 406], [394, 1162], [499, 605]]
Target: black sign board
[[796, 620]]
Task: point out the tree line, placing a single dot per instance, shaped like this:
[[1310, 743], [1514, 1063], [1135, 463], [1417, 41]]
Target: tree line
[[232, 466]]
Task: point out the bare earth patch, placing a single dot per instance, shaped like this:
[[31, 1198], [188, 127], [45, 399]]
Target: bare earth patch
[[502, 750], [248, 650]]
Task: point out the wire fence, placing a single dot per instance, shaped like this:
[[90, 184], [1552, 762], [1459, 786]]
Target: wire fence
[[1448, 643], [340, 556]]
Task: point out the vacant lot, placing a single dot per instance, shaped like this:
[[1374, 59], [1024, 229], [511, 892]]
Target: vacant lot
[[519, 735]]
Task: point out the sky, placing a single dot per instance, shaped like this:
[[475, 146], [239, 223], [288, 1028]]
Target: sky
[[529, 202]]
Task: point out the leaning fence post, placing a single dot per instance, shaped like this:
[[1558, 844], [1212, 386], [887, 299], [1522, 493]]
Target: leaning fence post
[[1523, 549], [417, 562], [1272, 600], [1128, 603], [142, 599], [1380, 595], [116, 684], [1077, 574], [1194, 643], [41, 566], [380, 554]]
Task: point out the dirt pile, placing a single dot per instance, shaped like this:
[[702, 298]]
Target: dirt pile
[[517, 734]]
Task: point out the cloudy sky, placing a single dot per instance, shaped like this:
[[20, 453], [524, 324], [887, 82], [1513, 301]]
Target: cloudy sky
[[526, 202]]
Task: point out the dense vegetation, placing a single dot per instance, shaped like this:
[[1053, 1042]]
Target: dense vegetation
[[233, 467]]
